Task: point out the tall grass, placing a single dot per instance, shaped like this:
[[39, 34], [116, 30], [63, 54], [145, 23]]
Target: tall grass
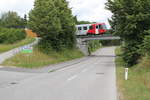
[[137, 87], [38, 59], [94, 45], [7, 47]]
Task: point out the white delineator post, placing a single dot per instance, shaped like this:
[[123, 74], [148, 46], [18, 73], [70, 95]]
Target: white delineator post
[[126, 73]]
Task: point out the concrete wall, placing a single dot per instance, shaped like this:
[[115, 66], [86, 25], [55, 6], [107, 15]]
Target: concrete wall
[[82, 45]]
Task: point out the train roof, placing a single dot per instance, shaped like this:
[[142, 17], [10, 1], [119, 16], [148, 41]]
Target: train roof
[[89, 24], [84, 25]]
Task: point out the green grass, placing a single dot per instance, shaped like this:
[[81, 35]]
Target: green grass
[[7, 47], [38, 59], [137, 87], [96, 48]]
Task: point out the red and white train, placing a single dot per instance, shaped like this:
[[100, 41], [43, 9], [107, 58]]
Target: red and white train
[[91, 29]]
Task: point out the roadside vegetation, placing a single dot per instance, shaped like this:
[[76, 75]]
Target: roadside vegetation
[[39, 59], [93, 45], [12, 33], [111, 42], [7, 47], [137, 86], [131, 22]]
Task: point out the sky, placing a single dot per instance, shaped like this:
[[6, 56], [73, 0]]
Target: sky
[[87, 10]]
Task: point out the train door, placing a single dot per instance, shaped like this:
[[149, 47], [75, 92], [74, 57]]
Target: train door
[[82, 30], [102, 29], [85, 30], [96, 29], [79, 29]]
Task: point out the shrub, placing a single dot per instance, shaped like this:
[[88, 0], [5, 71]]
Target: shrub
[[146, 45], [94, 45], [111, 42], [11, 35]]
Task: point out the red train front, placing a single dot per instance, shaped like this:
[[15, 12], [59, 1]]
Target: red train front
[[91, 29], [98, 28]]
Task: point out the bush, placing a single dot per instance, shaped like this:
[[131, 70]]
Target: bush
[[131, 53], [94, 45], [111, 42], [11, 35], [146, 45]]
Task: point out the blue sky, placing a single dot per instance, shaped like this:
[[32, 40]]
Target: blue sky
[[88, 10]]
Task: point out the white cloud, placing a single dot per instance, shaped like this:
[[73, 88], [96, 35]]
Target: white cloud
[[88, 10], [20, 6]]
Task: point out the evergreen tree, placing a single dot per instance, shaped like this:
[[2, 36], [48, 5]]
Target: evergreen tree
[[131, 21], [76, 20], [25, 20]]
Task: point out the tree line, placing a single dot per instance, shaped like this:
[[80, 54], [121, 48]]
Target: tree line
[[12, 27], [11, 19], [131, 21]]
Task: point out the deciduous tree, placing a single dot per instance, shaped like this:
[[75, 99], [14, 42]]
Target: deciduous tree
[[54, 23]]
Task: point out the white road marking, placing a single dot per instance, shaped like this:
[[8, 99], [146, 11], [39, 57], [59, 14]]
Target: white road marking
[[71, 78]]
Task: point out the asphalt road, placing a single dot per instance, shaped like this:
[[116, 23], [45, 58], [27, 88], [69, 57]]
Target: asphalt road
[[90, 79]]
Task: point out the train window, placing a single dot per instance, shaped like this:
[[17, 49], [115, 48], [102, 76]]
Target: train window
[[85, 28], [90, 27], [79, 28], [104, 26], [97, 27], [100, 27]]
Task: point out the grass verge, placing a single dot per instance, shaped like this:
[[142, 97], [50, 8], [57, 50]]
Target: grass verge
[[7, 47], [137, 87], [38, 59]]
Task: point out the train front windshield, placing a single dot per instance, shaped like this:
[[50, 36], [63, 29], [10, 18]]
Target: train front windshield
[[91, 27], [104, 26]]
